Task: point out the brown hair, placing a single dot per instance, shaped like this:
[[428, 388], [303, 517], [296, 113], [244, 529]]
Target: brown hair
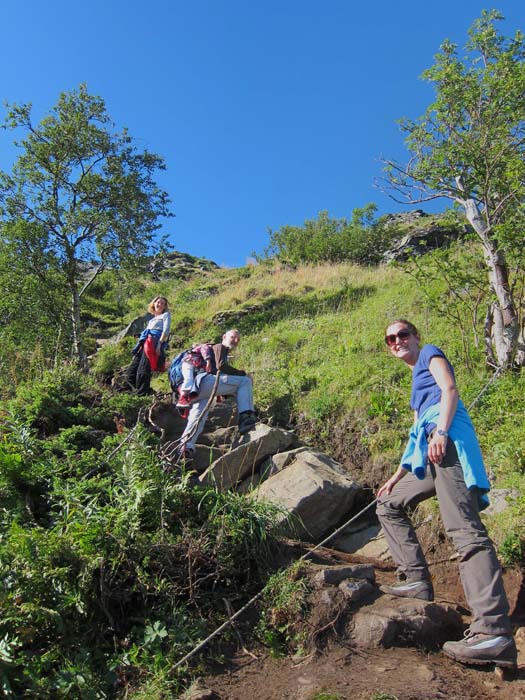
[[410, 326], [151, 305]]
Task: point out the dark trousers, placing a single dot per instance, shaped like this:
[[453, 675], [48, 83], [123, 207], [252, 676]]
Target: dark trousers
[[478, 564], [139, 374]]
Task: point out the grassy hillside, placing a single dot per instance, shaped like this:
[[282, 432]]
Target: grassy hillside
[[115, 569], [312, 338]]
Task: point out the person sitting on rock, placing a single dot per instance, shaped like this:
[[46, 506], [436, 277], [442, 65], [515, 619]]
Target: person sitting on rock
[[232, 382]]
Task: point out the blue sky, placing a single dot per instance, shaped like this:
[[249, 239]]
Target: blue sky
[[265, 112]]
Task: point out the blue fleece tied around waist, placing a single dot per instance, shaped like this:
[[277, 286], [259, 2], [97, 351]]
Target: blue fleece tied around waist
[[462, 434], [142, 337]]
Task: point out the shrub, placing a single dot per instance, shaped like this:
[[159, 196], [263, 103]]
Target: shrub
[[283, 607]]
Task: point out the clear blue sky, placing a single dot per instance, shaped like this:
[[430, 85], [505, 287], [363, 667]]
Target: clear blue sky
[[266, 112]]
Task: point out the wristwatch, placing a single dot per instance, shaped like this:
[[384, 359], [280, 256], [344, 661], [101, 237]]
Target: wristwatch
[[443, 433]]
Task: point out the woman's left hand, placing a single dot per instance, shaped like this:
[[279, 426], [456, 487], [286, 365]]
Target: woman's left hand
[[437, 448]]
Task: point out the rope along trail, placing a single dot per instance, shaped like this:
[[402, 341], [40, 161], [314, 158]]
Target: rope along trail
[[258, 595]]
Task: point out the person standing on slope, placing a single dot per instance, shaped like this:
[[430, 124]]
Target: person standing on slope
[[443, 459], [149, 354]]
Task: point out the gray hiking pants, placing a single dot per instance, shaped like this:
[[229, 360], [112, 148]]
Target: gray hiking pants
[[478, 564]]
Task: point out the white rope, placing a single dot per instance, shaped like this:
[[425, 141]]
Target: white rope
[[304, 556], [494, 376], [261, 592]]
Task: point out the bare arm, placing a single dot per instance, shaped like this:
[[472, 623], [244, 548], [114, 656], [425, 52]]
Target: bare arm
[[387, 487], [440, 370]]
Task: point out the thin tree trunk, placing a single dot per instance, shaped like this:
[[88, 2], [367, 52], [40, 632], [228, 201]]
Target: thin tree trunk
[[505, 327], [79, 353]]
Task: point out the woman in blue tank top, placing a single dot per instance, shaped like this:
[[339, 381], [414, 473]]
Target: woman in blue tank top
[[442, 458]]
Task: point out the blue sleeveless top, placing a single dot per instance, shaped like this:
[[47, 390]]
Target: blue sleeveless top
[[425, 391]]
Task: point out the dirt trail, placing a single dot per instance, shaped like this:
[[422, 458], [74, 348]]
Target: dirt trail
[[343, 674], [339, 672]]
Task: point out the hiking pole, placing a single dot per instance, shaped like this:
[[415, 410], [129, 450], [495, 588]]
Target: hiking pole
[[203, 414]]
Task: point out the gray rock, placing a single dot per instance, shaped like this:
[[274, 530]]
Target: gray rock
[[283, 459], [253, 448], [133, 328], [356, 591], [220, 436], [333, 575], [404, 622], [499, 501], [315, 491], [353, 540], [424, 233], [249, 484], [375, 548], [205, 455]]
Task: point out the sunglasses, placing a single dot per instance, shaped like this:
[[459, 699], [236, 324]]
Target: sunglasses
[[402, 335]]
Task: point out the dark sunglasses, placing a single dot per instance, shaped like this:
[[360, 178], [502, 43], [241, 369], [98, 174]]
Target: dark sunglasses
[[402, 335]]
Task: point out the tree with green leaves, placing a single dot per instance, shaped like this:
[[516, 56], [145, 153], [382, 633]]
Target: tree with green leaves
[[469, 148], [80, 197], [361, 239]]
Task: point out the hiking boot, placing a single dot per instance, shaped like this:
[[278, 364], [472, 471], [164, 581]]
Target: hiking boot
[[480, 649], [247, 420], [421, 589], [186, 400]]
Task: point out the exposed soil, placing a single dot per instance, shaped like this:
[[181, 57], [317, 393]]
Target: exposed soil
[[343, 674], [336, 671]]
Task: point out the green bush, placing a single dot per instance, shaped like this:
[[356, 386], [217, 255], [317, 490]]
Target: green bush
[[284, 606], [362, 239], [110, 359], [124, 575]]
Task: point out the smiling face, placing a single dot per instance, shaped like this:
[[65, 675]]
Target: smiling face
[[406, 347], [231, 339], [160, 305]]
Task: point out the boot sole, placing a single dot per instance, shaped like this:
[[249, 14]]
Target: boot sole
[[428, 597], [482, 662]]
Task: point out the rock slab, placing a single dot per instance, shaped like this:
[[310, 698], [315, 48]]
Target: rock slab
[[314, 490]]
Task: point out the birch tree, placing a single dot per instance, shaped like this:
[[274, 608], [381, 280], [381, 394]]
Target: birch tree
[[80, 193], [469, 148]]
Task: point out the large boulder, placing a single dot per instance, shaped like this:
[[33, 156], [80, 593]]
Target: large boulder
[[244, 459], [390, 621], [315, 490], [133, 328], [219, 436]]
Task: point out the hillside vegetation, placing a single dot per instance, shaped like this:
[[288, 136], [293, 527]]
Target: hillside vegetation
[[112, 569]]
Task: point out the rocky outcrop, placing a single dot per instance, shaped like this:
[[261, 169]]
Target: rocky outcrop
[[313, 491], [419, 233], [248, 453], [133, 328], [177, 265]]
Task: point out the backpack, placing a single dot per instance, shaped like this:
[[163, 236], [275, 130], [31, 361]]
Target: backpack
[[175, 370]]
